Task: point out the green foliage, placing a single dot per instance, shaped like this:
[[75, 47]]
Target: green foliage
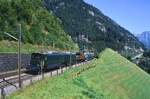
[[114, 77], [129, 58], [12, 47], [144, 63], [38, 25], [147, 53]]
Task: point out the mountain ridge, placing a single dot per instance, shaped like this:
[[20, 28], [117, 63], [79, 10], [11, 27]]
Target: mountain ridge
[[145, 38], [90, 28]]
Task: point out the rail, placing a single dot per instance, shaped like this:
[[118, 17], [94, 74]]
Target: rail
[[10, 73], [9, 84]]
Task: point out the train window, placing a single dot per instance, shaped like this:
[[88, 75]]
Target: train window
[[36, 56], [45, 57]]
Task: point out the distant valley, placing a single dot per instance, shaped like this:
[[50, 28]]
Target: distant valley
[[145, 38]]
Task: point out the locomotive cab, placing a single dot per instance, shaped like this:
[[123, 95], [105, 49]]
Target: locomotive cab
[[36, 62]]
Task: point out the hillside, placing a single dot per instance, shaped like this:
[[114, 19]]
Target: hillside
[[7, 46], [90, 28], [39, 27], [145, 38], [110, 77]]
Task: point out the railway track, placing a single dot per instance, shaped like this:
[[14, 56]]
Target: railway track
[[12, 80], [9, 83], [10, 73]]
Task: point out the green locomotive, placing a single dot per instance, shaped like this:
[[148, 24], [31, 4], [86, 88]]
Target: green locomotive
[[50, 61]]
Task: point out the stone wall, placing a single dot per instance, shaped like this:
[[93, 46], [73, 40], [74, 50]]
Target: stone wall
[[9, 62]]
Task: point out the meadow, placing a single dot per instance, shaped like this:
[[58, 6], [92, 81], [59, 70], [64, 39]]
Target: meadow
[[109, 77]]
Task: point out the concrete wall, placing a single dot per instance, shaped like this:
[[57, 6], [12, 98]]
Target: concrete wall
[[9, 61]]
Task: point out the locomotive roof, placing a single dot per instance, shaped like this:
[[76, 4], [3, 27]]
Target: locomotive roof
[[55, 53]]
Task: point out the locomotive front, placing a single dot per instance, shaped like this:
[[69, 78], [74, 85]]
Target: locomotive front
[[36, 62]]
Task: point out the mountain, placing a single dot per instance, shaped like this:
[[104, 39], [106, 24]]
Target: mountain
[[109, 77], [39, 27], [90, 28], [145, 38]]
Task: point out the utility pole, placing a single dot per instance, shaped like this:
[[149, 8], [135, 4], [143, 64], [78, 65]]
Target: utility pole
[[19, 56], [19, 51], [42, 66], [42, 62], [70, 59]]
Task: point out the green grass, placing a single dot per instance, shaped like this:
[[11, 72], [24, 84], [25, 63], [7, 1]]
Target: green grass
[[114, 77]]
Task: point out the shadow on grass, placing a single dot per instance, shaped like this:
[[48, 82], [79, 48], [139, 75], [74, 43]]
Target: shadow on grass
[[87, 91]]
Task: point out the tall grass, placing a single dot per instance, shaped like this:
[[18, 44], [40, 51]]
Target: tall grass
[[112, 77]]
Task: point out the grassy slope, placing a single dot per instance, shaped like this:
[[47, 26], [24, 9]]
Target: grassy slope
[[113, 78], [12, 47]]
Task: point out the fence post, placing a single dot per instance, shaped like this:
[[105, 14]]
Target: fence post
[[31, 81], [51, 73], [64, 69], [42, 75], [70, 67], [3, 95], [57, 72], [60, 70]]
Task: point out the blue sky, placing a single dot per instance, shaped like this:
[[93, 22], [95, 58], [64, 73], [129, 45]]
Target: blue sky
[[134, 15]]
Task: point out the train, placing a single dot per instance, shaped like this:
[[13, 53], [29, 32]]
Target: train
[[53, 60]]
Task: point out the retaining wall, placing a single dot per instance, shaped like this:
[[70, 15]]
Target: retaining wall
[[9, 61]]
